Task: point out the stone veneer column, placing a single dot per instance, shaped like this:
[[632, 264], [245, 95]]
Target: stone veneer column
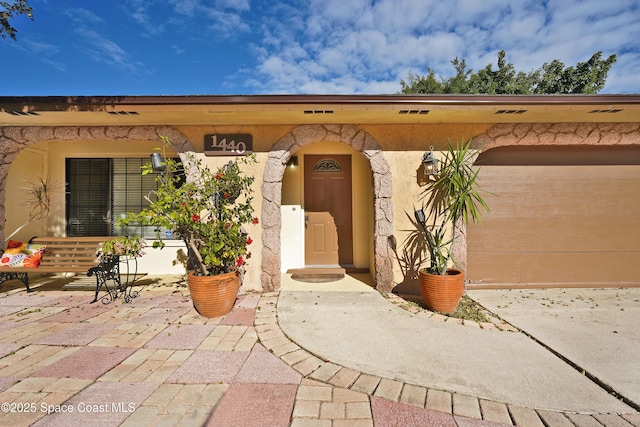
[[272, 195], [15, 138]]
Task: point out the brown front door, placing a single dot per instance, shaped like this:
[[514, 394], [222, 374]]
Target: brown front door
[[328, 215]]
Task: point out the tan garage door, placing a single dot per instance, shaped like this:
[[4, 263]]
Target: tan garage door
[[559, 217]]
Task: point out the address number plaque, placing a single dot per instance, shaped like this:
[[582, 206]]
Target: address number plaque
[[238, 144]]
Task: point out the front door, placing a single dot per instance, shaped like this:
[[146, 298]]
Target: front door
[[328, 214]]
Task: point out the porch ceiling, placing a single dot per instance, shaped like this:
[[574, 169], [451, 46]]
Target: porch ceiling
[[315, 109]]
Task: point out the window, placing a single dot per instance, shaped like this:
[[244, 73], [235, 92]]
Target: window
[[99, 191], [327, 165]]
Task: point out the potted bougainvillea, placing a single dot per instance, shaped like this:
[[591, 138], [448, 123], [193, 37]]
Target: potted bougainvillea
[[211, 211]]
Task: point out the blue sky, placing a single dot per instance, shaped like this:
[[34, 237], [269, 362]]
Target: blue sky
[[184, 47]]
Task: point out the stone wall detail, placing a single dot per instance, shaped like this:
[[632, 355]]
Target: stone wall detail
[[537, 134], [277, 160], [15, 139]]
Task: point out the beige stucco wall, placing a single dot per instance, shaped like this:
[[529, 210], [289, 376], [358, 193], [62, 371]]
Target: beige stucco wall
[[403, 147], [27, 169]]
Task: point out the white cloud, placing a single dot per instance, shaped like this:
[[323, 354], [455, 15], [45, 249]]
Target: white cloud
[[185, 7], [224, 19], [138, 10], [339, 46], [43, 51], [84, 17], [105, 51], [239, 5]]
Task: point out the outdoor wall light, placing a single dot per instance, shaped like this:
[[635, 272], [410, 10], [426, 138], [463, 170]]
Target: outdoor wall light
[[157, 162], [293, 162], [430, 163]]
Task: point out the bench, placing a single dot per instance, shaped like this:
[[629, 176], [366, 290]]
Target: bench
[[68, 255]]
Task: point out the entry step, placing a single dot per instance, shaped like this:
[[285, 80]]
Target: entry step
[[317, 274]]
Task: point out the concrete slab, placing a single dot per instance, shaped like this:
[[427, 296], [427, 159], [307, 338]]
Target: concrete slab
[[181, 337], [596, 329], [263, 367], [389, 413], [102, 403], [77, 334], [240, 316], [86, 363], [160, 315], [349, 283], [77, 314], [363, 331], [209, 367], [255, 405]]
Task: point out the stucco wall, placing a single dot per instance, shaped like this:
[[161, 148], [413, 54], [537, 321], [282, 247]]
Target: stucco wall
[[28, 168], [392, 152]]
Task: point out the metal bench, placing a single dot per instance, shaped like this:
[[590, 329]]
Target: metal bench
[[72, 255]]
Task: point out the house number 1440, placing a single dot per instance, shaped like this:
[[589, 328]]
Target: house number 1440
[[228, 144]]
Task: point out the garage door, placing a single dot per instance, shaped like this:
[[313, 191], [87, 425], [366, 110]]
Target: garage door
[[562, 216]]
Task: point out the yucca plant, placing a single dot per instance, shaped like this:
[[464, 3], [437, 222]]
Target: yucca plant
[[38, 203], [452, 196]]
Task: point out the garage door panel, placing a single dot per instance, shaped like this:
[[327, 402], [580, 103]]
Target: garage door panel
[[562, 234], [506, 186], [534, 174], [532, 204], [557, 224], [562, 268]]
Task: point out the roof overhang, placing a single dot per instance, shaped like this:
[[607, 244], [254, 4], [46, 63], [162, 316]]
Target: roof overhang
[[313, 109]]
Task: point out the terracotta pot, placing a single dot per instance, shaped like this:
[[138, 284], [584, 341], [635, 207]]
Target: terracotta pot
[[442, 293], [213, 296]]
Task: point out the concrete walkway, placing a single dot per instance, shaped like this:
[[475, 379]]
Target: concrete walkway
[[154, 361], [357, 328], [596, 330]]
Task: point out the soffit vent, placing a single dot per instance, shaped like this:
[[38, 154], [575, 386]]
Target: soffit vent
[[318, 111], [123, 113], [610, 111], [22, 113], [413, 112], [511, 111]]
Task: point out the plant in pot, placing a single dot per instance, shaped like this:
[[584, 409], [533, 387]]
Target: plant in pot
[[130, 247], [208, 210], [453, 197]]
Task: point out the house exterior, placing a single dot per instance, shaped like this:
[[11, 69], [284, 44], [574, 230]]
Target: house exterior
[[338, 178]]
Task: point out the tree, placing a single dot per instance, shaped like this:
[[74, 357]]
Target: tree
[[7, 12], [586, 77]]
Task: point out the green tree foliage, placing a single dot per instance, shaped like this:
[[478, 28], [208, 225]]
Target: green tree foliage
[[7, 11], [586, 77]]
